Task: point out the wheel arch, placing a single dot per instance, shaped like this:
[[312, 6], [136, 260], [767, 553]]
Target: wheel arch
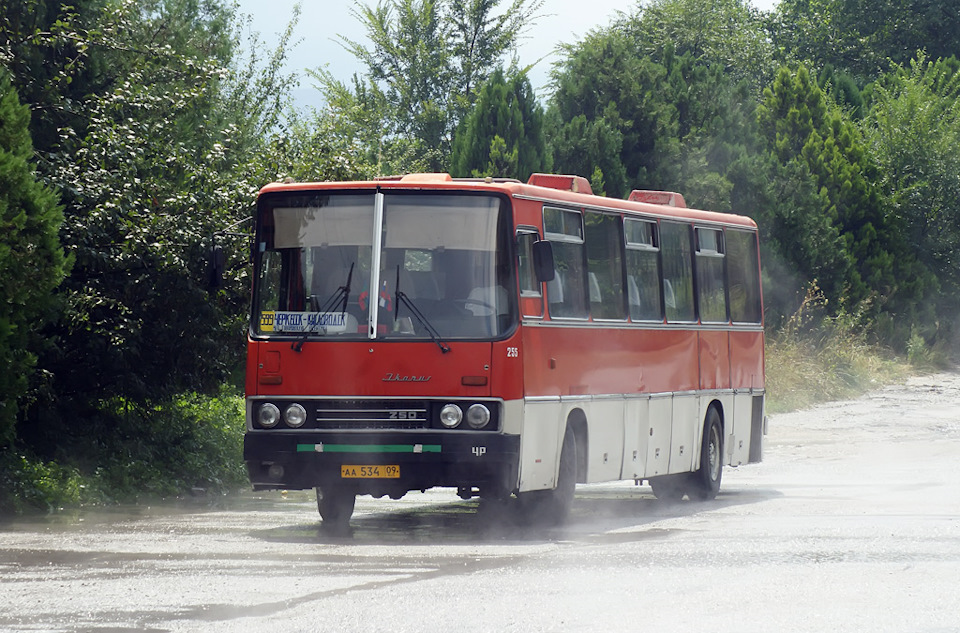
[[717, 406]]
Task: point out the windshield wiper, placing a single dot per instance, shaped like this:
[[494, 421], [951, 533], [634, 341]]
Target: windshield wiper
[[340, 296], [401, 297]]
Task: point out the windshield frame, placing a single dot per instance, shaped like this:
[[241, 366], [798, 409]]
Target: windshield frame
[[503, 256]]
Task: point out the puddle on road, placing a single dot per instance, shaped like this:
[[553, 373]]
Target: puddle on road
[[598, 516]]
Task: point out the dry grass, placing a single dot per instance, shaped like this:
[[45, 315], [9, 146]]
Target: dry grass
[[804, 371], [816, 358]]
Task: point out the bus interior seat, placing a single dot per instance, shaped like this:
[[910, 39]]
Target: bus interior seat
[[555, 288], [633, 291], [489, 299], [594, 288], [669, 297]]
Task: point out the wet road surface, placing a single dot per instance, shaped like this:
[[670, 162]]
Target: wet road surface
[[851, 523]]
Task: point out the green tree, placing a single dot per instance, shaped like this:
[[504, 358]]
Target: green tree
[[503, 134], [675, 124], [856, 255], [482, 32], [50, 50], [862, 36], [353, 124], [409, 58], [425, 63], [607, 114], [727, 33], [170, 153], [32, 262], [913, 131]]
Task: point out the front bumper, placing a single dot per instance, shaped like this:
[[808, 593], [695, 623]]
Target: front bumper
[[288, 460]]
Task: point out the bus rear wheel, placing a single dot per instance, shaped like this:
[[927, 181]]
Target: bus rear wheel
[[335, 506], [669, 488], [705, 483], [553, 506]]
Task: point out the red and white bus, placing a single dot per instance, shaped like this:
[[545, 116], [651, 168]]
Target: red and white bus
[[503, 338]]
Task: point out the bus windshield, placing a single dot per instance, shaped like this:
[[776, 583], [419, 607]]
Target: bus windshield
[[331, 265]]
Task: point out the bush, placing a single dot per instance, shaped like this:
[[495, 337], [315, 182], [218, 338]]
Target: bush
[[28, 483], [191, 443]]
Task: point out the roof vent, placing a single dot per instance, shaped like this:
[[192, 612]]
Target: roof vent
[[666, 198], [428, 177], [576, 184]]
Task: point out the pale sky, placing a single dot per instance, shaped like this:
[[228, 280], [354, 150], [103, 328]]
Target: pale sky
[[321, 21]]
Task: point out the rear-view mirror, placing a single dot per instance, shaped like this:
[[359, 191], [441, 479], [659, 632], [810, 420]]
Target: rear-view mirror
[[543, 261]]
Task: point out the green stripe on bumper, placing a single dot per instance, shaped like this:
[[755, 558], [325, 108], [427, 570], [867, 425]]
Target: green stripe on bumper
[[368, 448]]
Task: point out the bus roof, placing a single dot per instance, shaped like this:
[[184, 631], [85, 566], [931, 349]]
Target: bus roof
[[548, 188]]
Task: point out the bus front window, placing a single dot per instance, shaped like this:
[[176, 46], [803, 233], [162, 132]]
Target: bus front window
[[313, 252], [446, 254]]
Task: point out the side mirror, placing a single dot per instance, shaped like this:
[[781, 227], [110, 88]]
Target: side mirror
[[216, 263], [543, 261]]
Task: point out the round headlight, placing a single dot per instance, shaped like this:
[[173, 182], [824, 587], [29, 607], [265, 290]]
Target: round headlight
[[450, 415], [295, 416], [478, 415], [268, 416]]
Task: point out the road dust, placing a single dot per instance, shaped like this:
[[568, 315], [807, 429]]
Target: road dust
[[851, 523]]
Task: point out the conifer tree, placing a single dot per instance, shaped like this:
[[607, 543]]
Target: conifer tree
[[503, 133], [32, 262]]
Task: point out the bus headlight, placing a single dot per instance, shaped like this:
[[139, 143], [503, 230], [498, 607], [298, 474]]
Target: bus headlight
[[478, 416], [268, 416], [451, 415], [295, 416]]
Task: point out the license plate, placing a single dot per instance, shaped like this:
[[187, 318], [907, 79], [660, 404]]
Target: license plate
[[380, 471]]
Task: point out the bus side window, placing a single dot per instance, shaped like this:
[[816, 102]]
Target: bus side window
[[677, 271], [711, 291], [528, 276], [743, 270], [605, 265], [643, 270], [567, 293]]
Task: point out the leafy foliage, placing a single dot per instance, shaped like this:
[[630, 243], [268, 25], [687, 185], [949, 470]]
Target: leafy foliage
[[424, 64], [864, 259], [913, 131], [192, 443], [32, 262], [863, 36], [726, 33], [503, 134], [606, 114], [162, 138], [675, 124]]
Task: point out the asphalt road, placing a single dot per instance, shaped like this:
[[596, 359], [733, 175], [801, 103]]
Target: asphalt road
[[851, 523]]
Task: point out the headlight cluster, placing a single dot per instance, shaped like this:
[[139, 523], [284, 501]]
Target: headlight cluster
[[294, 416], [478, 416], [373, 414]]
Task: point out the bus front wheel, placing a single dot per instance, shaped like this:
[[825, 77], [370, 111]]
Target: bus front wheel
[[335, 506], [553, 506]]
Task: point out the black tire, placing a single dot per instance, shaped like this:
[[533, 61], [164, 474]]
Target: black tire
[[669, 488], [551, 507], [705, 483], [335, 506]]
